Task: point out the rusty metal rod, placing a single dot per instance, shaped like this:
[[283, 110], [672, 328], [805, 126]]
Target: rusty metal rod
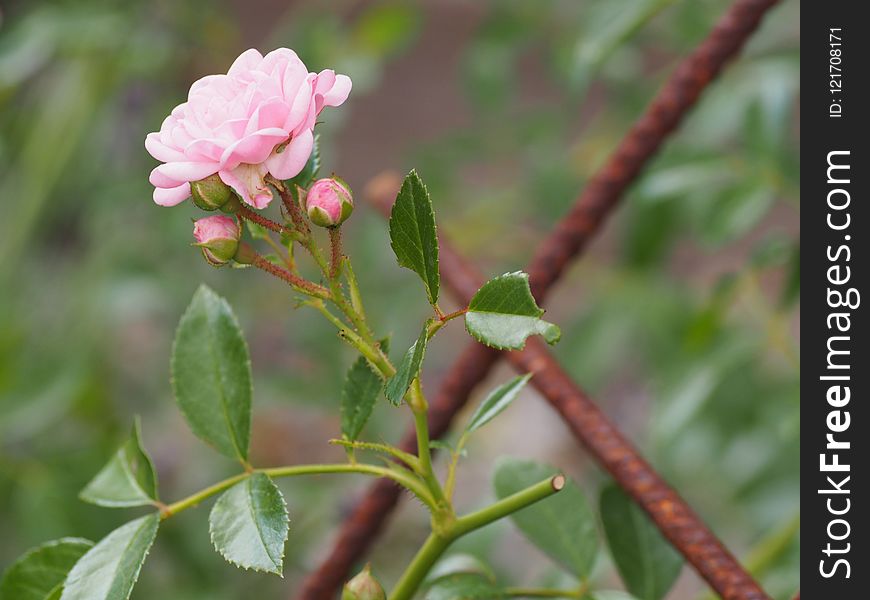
[[568, 239]]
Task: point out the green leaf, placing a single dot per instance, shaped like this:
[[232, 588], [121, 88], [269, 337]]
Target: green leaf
[[446, 447], [129, 478], [109, 570], [611, 595], [644, 558], [412, 233], [503, 313], [463, 586], [310, 171], [40, 572], [563, 525], [456, 564], [398, 384], [496, 402], [211, 374], [362, 386], [249, 525], [257, 231]]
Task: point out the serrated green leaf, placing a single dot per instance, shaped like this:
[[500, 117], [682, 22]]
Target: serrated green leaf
[[128, 479], [211, 374], [311, 169], [109, 570], [362, 386], [463, 586], [249, 525], [496, 402], [40, 572], [645, 560], [412, 233], [409, 368], [503, 313], [563, 525]]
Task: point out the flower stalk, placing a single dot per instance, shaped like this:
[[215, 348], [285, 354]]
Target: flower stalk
[[438, 542]]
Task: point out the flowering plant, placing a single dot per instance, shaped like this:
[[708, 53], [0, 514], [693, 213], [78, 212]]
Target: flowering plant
[[241, 141]]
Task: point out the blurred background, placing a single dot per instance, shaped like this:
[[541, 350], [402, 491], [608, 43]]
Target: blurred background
[[682, 320]]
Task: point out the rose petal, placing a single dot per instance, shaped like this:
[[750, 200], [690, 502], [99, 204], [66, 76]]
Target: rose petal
[[161, 151], [172, 196], [339, 92], [254, 148], [247, 181], [247, 61], [186, 171], [291, 160], [158, 178]]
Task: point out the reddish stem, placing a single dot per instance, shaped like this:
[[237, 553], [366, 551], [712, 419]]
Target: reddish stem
[[302, 285], [246, 213]]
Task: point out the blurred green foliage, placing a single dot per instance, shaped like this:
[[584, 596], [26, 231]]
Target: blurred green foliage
[[682, 320]]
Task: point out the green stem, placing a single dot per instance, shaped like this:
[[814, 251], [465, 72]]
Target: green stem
[[283, 252], [420, 408], [194, 499], [406, 457], [402, 478], [429, 553], [450, 483], [355, 295], [509, 505], [372, 353], [438, 542]]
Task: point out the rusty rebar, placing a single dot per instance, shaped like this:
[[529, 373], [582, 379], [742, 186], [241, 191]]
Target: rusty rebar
[[568, 239], [659, 120]]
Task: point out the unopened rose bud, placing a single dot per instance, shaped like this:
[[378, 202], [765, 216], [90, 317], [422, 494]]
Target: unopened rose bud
[[218, 237], [329, 202], [210, 193], [363, 587]]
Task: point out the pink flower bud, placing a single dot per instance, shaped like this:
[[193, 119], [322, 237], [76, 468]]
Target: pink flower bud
[[329, 202], [363, 587], [218, 237]]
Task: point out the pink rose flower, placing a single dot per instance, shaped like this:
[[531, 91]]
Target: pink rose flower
[[218, 236], [257, 119]]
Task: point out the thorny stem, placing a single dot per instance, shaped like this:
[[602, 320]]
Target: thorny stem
[[336, 255], [438, 542], [406, 457], [297, 283], [454, 314], [291, 204], [403, 478], [246, 213]]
